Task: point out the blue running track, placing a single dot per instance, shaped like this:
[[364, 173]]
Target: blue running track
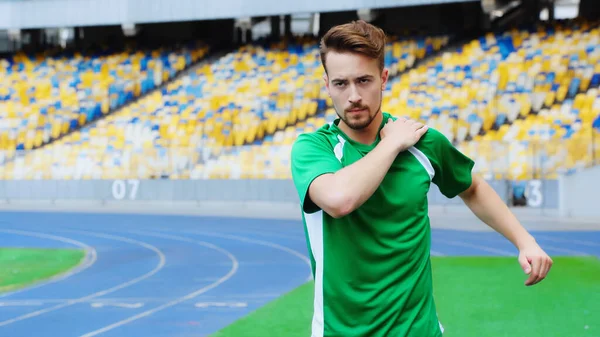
[[152, 275]]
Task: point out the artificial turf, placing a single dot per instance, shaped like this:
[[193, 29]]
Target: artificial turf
[[20, 267], [475, 296]]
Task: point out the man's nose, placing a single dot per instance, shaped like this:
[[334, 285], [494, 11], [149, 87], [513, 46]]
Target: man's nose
[[354, 95]]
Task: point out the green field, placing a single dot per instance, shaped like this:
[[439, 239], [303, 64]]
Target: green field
[[476, 296], [20, 267]]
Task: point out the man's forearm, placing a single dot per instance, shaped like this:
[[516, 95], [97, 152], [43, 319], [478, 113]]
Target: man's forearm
[[363, 177], [485, 203], [350, 187]]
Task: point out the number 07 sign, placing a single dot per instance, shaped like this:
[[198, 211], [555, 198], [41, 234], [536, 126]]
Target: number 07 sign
[[122, 189]]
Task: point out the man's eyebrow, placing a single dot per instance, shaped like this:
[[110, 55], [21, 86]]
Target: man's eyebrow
[[363, 77]]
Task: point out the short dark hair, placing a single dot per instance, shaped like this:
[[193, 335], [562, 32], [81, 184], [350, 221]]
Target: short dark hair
[[356, 37]]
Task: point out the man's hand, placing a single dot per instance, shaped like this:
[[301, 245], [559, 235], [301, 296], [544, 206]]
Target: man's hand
[[535, 262], [403, 133], [487, 205], [340, 193]]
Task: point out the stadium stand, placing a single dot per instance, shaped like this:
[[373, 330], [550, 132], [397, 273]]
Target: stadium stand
[[46, 96], [524, 103], [537, 118], [269, 158], [187, 128]]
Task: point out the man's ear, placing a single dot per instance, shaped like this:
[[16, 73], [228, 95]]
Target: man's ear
[[384, 78], [326, 79]]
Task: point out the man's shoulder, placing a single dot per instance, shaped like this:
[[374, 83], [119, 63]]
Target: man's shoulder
[[323, 134], [432, 135], [433, 143]]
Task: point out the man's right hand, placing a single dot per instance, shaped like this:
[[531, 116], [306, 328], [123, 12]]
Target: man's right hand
[[403, 133], [340, 193]]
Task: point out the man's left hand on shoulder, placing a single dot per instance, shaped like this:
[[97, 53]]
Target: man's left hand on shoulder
[[534, 262]]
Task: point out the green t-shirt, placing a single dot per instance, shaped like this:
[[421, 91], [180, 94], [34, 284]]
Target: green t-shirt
[[372, 267]]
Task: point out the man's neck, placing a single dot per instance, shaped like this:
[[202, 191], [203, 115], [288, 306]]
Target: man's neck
[[365, 136]]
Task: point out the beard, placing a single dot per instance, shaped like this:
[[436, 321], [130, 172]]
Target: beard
[[361, 120]]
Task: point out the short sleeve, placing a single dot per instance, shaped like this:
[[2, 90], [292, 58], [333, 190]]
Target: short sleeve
[[311, 157], [453, 169]]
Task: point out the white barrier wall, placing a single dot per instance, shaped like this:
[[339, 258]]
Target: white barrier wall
[[542, 194], [581, 191]]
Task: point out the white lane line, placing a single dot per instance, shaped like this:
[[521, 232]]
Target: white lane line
[[101, 304], [158, 267], [436, 253], [544, 246], [259, 242], [271, 234], [474, 246], [232, 271], [24, 303], [221, 304], [572, 241], [90, 258], [564, 250], [42, 301]]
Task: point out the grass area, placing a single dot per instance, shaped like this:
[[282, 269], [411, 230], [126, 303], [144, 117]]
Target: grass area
[[289, 316], [20, 267], [476, 296]]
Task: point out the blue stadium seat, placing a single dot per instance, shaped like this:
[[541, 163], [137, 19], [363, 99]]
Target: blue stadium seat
[[46, 96], [522, 103]]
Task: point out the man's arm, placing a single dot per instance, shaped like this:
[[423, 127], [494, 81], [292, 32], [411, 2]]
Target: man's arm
[[454, 177], [323, 183], [340, 193], [485, 203]]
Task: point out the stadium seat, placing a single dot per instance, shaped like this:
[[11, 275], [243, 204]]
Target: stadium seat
[[269, 157], [524, 103], [522, 89], [43, 97], [255, 96]]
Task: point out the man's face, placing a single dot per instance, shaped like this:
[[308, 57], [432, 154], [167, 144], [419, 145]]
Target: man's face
[[355, 85]]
